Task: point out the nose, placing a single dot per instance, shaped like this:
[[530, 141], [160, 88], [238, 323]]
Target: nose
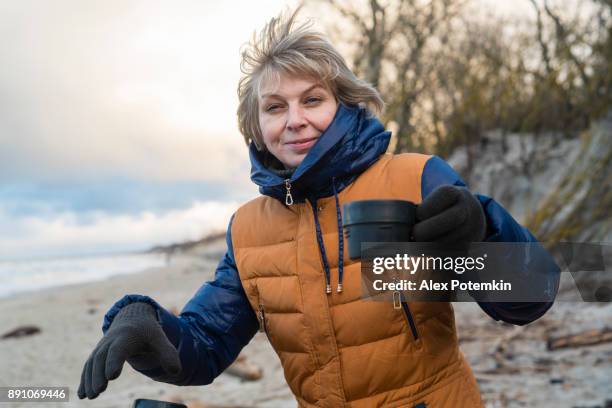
[[295, 118]]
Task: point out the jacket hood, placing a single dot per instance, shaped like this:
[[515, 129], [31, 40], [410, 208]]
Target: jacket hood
[[352, 142]]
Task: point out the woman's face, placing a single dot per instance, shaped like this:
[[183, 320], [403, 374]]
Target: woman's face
[[292, 115]]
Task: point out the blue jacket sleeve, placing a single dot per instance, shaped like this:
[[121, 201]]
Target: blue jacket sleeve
[[212, 328], [501, 227]]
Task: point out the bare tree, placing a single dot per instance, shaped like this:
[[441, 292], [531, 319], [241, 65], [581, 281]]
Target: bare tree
[[449, 77], [391, 49]]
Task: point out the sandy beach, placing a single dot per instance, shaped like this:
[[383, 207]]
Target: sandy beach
[[512, 364], [70, 319]]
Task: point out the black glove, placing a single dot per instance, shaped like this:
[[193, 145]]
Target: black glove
[[134, 336], [450, 214]]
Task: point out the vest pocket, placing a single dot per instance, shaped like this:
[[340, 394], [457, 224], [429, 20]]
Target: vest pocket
[[400, 303]]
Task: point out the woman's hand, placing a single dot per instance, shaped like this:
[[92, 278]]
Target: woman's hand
[[134, 336], [450, 214]]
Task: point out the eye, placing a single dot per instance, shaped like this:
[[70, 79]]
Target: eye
[[272, 108], [311, 100]]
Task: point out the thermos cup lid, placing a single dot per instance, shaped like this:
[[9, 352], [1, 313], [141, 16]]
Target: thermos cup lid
[[368, 211]]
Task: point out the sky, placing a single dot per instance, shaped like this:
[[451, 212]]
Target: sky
[[118, 122]]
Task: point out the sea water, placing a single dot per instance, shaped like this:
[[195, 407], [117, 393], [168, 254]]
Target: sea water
[[18, 276]]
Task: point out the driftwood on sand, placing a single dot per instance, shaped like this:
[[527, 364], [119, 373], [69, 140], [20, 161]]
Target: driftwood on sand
[[21, 331], [585, 338]]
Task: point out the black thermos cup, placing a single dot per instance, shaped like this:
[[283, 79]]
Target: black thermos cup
[[377, 221]]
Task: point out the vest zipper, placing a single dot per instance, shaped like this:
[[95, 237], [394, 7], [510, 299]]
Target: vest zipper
[[410, 319], [288, 196]]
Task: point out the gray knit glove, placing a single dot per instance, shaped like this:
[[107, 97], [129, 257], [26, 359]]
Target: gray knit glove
[[134, 336], [450, 214]]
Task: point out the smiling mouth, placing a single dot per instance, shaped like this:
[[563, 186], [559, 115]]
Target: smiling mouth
[[301, 144], [302, 141]]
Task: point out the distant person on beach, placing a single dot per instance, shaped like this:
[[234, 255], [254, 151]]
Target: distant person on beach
[[315, 143]]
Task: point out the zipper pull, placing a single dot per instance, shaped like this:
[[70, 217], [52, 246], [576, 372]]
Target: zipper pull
[[397, 300], [262, 319], [288, 197], [397, 296]]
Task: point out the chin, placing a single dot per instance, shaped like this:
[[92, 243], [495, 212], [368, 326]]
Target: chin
[[299, 160], [292, 160], [292, 164]]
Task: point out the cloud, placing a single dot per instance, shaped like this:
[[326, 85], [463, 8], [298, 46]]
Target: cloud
[[112, 197], [32, 236], [142, 89], [111, 215]]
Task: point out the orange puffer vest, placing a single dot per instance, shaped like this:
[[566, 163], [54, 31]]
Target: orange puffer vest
[[336, 349]]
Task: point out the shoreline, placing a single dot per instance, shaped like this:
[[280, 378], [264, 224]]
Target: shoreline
[[31, 276]]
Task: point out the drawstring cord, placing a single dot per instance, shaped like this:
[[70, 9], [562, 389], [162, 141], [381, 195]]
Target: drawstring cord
[[340, 243], [321, 248], [340, 238]]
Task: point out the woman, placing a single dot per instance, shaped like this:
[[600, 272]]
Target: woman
[[314, 144]]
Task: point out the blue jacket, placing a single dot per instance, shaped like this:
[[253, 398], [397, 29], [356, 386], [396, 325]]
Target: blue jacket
[[218, 321]]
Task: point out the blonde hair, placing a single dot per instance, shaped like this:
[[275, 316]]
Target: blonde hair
[[282, 48]]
